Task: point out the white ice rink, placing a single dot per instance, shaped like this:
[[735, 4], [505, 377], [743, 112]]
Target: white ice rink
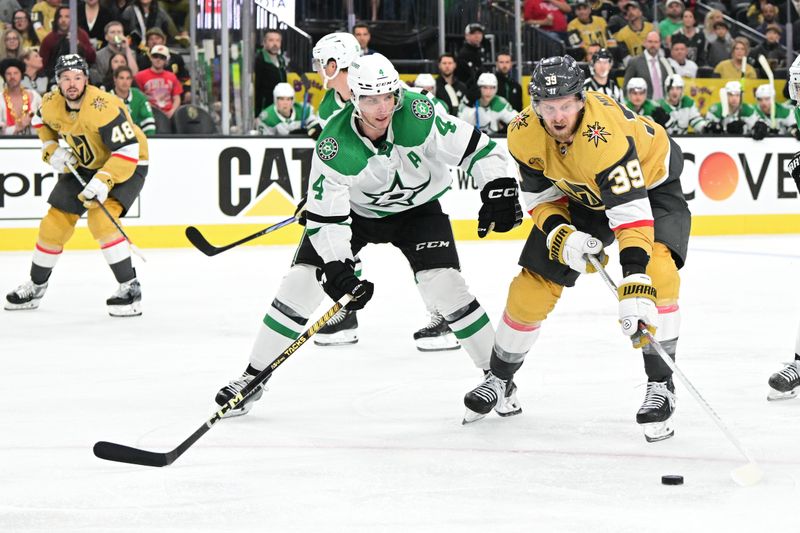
[[368, 438]]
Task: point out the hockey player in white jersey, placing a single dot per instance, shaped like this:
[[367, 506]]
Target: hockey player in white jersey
[[489, 113], [785, 384], [285, 116], [425, 82], [731, 115], [784, 122], [682, 110], [378, 170]]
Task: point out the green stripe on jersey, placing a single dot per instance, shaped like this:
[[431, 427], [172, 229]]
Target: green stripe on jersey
[[480, 155]]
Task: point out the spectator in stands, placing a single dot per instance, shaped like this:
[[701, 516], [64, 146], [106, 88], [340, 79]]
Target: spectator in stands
[[636, 90], [771, 49], [23, 24], [178, 10], [720, 48], [270, 70], [448, 88], [175, 64], [679, 58], [586, 28], [591, 50], [43, 13], [469, 60], [362, 35], [114, 35], [618, 19], [603, 9], [756, 11], [549, 15], [135, 100], [737, 67], [650, 66], [769, 16], [57, 42], [674, 19], [142, 15], [694, 39], [489, 113], [33, 77], [634, 33], [18, 104], [11, 44], [117, 7], [7, 9], [735, 118], [682, 110], [712, 17], [114, 62], [285, 116], [426, 84], [507, 87], [600, 67], [162, 88], [93, 18], [777, 119]]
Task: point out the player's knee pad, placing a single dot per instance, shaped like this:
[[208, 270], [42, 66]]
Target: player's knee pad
[[444, 289], [100, 226], [56, 228], [531, 297], [513, 340], [300, 292], [664, 275]]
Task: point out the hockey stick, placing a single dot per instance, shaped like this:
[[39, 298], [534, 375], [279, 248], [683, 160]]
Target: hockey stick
[[768, 71], [201, 243], [746, 475], [136, 456], [134, 248]]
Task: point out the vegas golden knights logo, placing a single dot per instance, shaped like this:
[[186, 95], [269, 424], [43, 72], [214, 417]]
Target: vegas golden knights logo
[[581, 193], [80, 146]]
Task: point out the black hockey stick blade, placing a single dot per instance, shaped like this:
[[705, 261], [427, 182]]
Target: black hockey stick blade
[[201, 243], [125, 454]]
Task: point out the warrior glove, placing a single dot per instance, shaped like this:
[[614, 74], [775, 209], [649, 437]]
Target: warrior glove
[[569, 246], [637, 304]]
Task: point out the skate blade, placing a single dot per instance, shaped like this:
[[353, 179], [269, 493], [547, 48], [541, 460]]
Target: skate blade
[[509, 407], [438, 344], [658, 431], [471, 416], [33, 304], [341, 338], [241, 411], [134, 309], [777, 396], [747, 475]]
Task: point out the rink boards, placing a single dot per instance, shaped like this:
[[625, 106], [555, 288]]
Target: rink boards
[[230, 187]]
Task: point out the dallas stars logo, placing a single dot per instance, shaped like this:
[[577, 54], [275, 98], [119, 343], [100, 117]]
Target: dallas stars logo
[[520, 121], [596, 133], [397, 193], [422, 108], [327, 148]]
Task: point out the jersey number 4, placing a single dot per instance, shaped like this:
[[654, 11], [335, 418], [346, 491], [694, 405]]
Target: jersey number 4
[[626, 177], [122, 133]]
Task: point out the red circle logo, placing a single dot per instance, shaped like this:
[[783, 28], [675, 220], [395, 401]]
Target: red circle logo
[[718, 176]]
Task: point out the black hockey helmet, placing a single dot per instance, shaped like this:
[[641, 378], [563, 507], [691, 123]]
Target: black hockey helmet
[[602, 54], [556, 77], [71, 62]]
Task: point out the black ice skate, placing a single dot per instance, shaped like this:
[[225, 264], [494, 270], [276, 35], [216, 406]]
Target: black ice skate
[[655, 414], [436, 336], [26, 296], [234, 389], [127, 301], [785, 384], [493, 393], [341, 329]]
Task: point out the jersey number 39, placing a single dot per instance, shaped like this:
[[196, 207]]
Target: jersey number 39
[[626, 177]]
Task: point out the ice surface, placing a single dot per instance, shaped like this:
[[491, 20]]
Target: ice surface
[[368, 438]]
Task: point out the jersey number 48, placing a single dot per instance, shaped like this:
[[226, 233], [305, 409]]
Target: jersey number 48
[[122, 133]]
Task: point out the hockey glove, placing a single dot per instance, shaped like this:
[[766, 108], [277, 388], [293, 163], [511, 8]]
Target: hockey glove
[[570, 246], [794, 168], [95, 190], [735, 127], [339, 278], [660, 116], [501, 210], [637, 304], [760, 130], [714, 128], [59, 159], [300, 211]]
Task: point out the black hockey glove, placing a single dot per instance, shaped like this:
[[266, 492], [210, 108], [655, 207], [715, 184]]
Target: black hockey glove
[[300, 211], [501, 210], [760, 130], [714, 128], [339, 278], [660, 116], [314, 131], [735, 127], [794, 168], [796, 133]]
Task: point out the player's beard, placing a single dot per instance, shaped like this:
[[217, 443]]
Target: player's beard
[[77, 98], [566, 134]]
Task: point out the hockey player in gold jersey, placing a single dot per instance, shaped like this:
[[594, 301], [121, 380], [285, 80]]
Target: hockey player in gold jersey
[[593, 171], [110, 153]]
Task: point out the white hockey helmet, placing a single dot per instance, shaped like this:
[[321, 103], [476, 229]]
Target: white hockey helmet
[[765, 91], [794, 80], [341, 47], [487, 79], [674, 80], [425, 81], [733, 87], [374, 75], [282, 90], [636, 84]]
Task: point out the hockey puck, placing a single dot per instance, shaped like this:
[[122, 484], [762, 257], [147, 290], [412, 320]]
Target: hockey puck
[[672, 480]]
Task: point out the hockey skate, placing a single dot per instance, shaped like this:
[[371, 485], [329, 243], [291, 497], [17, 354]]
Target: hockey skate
[[341, 329], [26, 296], [655, 414], [493, 393], [234, 388], [127, 301], [436, 336], [784, 384]]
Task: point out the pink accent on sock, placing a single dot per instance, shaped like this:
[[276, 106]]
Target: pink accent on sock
[[46, 251], [517, 326], [112, 243], [664, 309]]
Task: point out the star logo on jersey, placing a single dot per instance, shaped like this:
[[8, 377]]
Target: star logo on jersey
[[99, 103], [397, 193], [327, 148], [520, 121], [595, 132], [422, 108]]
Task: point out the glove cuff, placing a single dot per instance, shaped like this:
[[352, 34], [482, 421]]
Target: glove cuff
[[557, 241], [638, 287]]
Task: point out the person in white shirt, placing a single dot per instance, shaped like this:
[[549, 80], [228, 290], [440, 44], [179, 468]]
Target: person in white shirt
[[679, 59]]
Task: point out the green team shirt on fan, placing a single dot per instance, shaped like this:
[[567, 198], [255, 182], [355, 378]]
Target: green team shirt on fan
[[746, 113], [683, 116], [647, 108], [408, 169], [491, 118], [140, 110], [785, 119], [270, 122], [331, 104]]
